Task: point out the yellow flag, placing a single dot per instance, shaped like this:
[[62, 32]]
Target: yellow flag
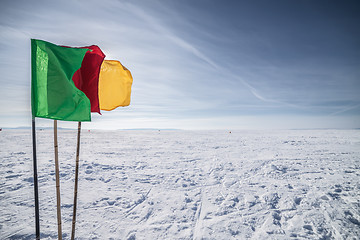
[[115, 82]]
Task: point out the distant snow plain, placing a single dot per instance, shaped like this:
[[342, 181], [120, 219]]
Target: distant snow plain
[[287, 184]]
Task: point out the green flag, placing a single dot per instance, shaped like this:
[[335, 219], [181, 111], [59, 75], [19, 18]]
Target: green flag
[[53, 92]]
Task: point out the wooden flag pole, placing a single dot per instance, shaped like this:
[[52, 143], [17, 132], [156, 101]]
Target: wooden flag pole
[[58, 205], [36, 191], [76, 182]]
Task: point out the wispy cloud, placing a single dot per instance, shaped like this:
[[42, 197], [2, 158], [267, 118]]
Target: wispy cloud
[[349, 108], [156, 23], [197, 62]]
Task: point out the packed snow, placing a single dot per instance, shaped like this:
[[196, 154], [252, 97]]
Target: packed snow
[[287, 184]]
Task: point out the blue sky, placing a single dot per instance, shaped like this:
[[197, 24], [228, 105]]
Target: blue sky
[[199, 64]]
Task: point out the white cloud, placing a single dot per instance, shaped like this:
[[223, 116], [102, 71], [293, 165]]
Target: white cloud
[[180, 69]]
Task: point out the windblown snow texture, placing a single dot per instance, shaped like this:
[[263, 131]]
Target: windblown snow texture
[[299, 184]]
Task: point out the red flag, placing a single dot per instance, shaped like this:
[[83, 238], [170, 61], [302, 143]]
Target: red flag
[[86, 79]]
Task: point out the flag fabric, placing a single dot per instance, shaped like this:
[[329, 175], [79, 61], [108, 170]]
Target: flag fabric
[[86, 78], [53, 92], [115, 82]]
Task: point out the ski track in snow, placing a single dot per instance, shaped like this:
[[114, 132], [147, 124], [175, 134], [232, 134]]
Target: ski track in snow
[[293, 184]]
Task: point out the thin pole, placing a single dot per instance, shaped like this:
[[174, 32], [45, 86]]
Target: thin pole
[[57, 181], [76, 182], [36, 191]]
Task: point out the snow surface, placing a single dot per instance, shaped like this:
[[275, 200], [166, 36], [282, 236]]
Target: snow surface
[[298, 184]]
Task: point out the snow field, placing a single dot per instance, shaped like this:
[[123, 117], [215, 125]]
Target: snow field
[[293, 184]]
